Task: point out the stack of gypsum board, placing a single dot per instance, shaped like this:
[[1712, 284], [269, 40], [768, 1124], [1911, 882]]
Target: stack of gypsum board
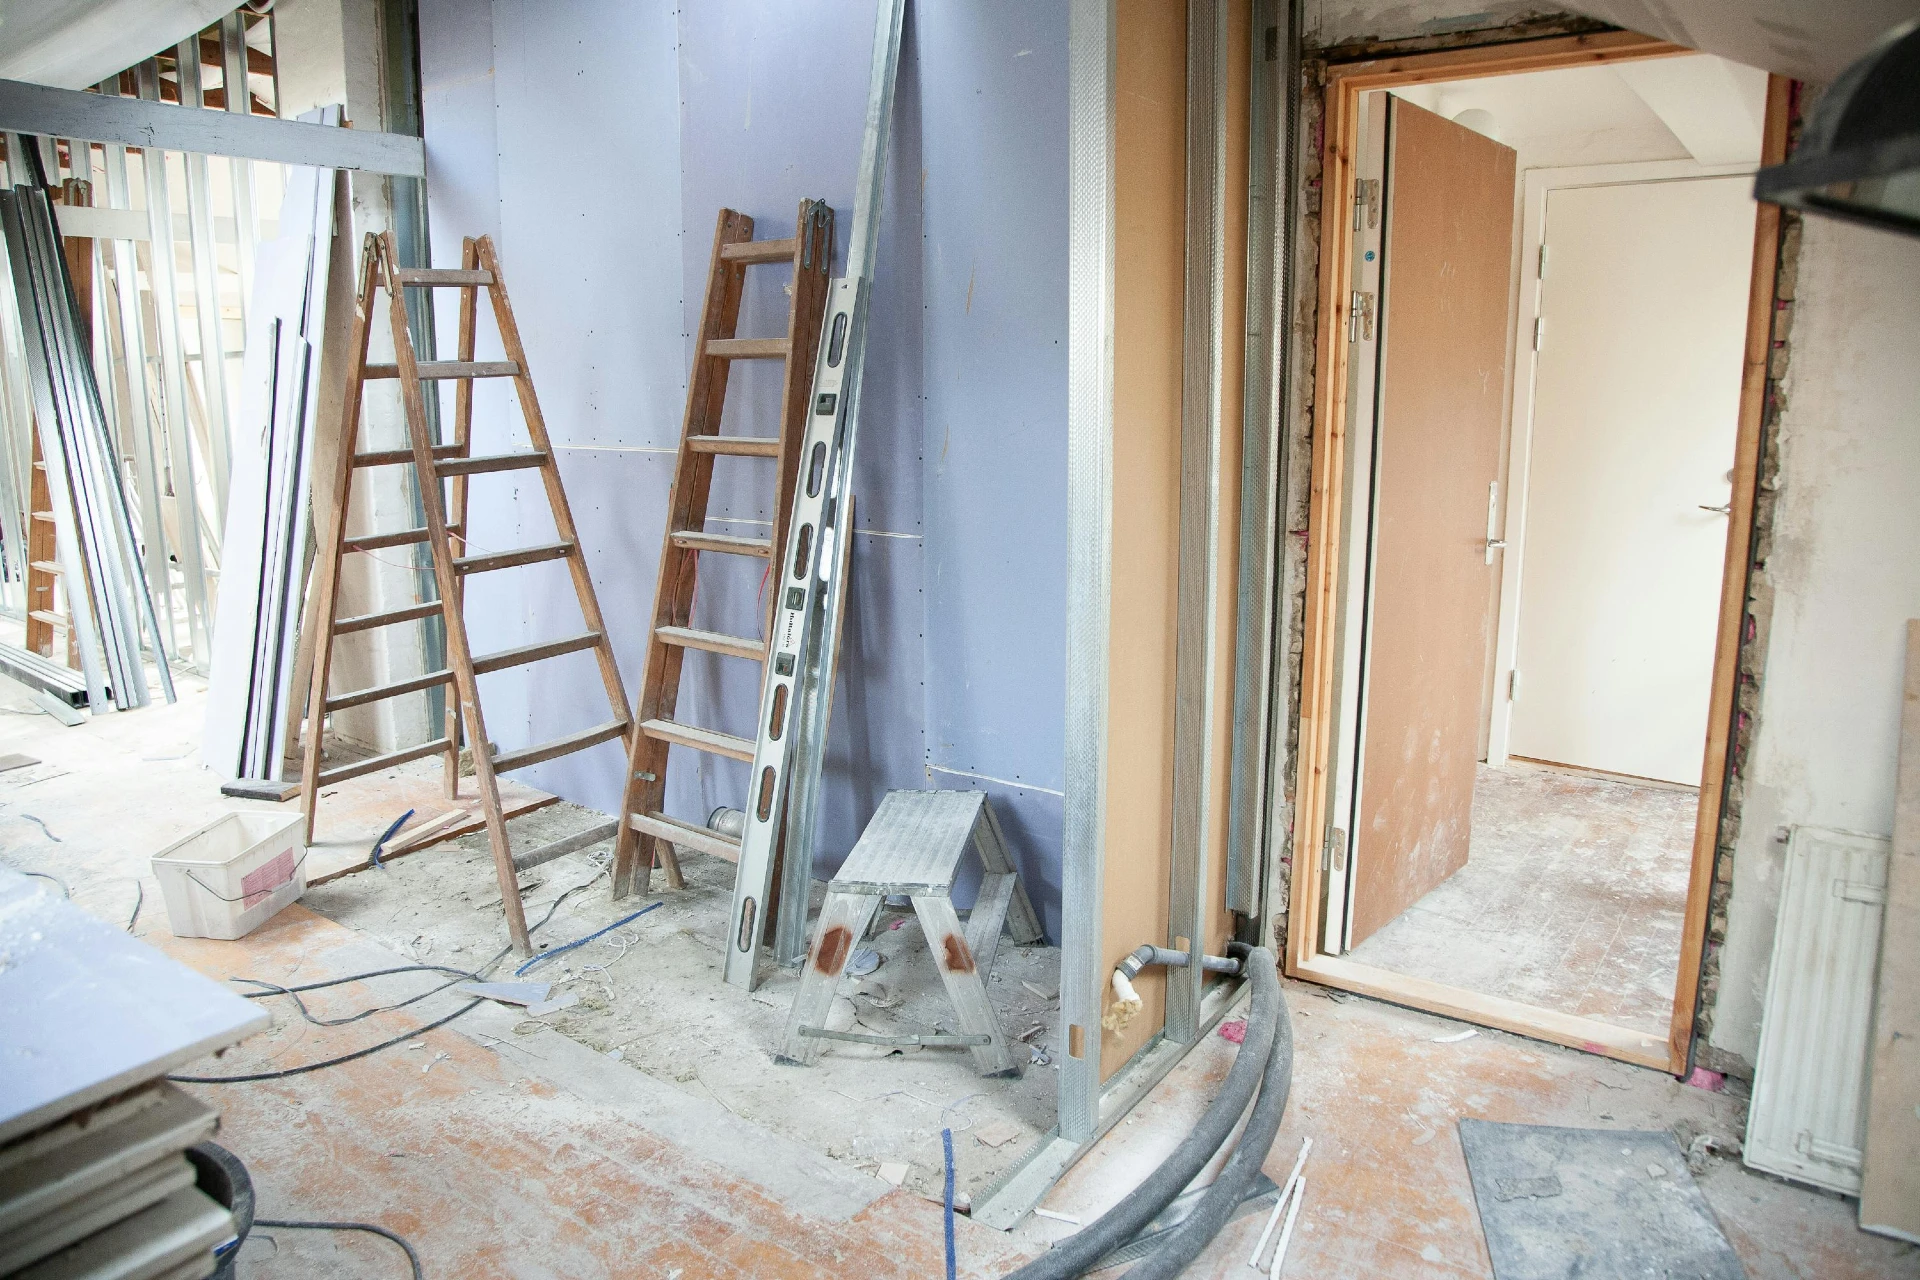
[[109, 1188], [99, 557], [251, 704]]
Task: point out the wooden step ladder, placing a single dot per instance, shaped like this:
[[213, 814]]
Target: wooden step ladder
[[647, 827], [441, 467]]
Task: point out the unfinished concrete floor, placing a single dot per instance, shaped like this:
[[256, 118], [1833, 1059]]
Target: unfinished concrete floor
[[537, 1155], [1571, 900]]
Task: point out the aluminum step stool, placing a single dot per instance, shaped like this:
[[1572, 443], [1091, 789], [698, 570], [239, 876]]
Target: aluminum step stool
[[914, 846]]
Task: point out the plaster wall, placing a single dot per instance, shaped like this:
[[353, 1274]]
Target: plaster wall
[[1844, 582]]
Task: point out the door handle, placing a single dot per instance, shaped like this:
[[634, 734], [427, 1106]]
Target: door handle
[[1493, 521], [1725, 510]]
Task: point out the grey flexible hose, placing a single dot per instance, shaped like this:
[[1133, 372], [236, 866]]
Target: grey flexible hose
[[1216, 1206], [1079, 1252]]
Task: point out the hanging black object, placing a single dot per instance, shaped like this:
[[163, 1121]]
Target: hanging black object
[[1859, 157]]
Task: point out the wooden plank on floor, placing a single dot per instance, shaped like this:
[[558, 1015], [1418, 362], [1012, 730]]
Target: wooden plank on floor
[[1890, 1177]]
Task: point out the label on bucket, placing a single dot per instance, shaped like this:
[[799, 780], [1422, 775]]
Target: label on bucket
[[267, 877]]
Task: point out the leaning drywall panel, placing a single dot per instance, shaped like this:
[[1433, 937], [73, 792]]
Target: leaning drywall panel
[[993, 78], [1827, 729]]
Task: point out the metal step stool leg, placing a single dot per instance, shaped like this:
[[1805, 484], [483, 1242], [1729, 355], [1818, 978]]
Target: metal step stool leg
[[964, 976], [843, 921]]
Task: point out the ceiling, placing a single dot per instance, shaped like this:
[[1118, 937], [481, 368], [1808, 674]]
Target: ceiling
[[1806, 39], [72, 44], [1698, 107]]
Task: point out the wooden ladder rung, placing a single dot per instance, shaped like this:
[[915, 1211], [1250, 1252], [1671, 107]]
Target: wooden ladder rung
[[437, 278], [533, 653], [375, 764], [512, 559], [756, 251], [44, 566], [381, 692], [713, 642], [565, 845], [508, 761], [45, 517], [749, 348], [51, 619], [711, 741], [711, 843], [375, 541], [692, 540], [490, 462], [395, 457], [447, 370], [368, 621], [739, 446]]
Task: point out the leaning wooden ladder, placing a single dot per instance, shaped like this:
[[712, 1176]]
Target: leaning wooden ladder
[[446, 537], [810, 253]]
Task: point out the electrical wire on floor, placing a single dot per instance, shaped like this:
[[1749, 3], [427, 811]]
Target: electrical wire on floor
[[413, 1259], [477, 975], [41, 875]]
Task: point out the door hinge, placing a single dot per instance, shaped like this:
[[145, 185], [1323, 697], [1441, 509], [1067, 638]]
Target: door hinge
[[1513, 685], [1333, 851], [1543, 261], [1366, 199], [1360, 317], [1539, 331]]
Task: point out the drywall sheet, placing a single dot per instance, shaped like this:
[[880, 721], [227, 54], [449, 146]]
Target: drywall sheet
[[1890, 1175], [773, 111], [755, 106], [1149, 266], [993, 80], [593, 268]]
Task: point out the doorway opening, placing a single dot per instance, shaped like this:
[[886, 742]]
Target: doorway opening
[[1529, 550]]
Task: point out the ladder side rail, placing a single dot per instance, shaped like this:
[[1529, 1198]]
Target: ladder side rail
[[459, 659], [645, 787], [333, 544], [457, 514], [550, 476]]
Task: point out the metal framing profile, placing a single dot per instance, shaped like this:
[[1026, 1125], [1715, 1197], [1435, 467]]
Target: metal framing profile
[[1196, 637], [1090, 187], [1271, 146]]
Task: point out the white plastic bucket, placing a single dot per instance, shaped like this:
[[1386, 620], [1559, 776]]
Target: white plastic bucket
[[232, 875]]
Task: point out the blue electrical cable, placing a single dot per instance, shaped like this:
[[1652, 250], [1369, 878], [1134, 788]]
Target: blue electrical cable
[[946, 1140], [373, 854], [548, 955]]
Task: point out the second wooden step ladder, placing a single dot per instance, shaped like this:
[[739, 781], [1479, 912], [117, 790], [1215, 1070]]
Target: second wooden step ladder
[[647, 832], [443, 471]]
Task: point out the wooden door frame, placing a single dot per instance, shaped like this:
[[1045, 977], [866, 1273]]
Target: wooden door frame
[[1344, 83]]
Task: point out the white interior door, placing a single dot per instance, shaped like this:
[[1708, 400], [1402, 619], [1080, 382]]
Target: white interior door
[[1636, 398]]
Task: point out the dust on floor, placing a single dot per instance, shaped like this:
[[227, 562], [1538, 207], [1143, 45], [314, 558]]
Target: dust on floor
[[650, 994], [1572, 899]]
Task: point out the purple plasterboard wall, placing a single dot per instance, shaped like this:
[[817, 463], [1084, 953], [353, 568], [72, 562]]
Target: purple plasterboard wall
[[597, 144]]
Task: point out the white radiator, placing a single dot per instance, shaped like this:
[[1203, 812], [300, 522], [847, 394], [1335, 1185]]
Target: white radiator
[[1808, 1118]]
